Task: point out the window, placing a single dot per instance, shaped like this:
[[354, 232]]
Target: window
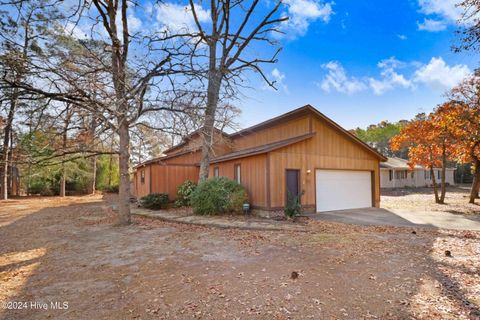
[[142, 177], [216, 172], [237, 173], [427, 175], [412, 174], [438, 174], [390, 175], [401, 175]]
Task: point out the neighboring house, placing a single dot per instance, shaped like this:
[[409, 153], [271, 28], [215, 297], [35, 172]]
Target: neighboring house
[[13, 181], [396, 173], [301, 151]]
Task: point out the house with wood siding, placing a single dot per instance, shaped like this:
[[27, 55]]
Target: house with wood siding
[[302, 152]]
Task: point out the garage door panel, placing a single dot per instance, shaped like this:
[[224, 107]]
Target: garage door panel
[[343, 189]]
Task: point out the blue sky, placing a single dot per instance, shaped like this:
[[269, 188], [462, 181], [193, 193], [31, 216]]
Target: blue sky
[[359, 62], [364, 61]]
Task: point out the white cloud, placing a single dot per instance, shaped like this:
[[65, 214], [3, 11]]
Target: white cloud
[[402, 37], [301, 13], [148, 8], [390, 79], [337, 79], [279, 77], [432, 25], [75, 31], [446, 9], [178, 18], [437, 74], [441, 13], [134, 23]]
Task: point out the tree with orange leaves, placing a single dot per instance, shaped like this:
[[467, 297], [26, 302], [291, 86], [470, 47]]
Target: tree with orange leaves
[[429, 143], [464, 120]]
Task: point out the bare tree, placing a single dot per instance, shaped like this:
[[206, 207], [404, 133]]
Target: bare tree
[[127, 85], [17, 35], [234, 26]]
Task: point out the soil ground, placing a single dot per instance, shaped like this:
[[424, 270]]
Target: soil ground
[[416, 199], [68, 250]]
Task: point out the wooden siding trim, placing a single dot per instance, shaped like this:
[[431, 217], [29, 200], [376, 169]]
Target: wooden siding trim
[[267, 180], [150, 182]]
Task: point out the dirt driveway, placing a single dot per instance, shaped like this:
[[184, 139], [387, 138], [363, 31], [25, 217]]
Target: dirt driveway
[[67, 252]]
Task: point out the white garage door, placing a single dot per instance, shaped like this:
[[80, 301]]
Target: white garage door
[[343, 189]]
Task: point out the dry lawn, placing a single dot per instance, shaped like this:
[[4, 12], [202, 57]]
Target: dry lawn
[[54, 250], [456, 200]]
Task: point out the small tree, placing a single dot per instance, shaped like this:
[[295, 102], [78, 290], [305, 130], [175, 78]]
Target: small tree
[[465, 119], [429, 144]]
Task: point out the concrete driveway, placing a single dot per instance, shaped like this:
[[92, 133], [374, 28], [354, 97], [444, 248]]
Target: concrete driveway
[[400, 218]]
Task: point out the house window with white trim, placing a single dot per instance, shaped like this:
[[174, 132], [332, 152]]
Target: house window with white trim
[[142, 177], [216, 172], [237, 173]]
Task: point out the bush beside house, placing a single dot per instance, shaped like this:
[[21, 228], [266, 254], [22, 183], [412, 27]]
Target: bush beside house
[[184, 193], [218, 195], [293, 207], [155, 201]]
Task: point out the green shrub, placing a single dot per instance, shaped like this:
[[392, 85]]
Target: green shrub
[[111, 189], [184, 193], [155, 201], [218, 196], [293, 207]]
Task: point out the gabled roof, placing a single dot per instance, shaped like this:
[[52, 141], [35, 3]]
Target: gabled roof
[[305, 110], [166, 157], [399, 163], [299, 112], [261, 149], [189, 137]]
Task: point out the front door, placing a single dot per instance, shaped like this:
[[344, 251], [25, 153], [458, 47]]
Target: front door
[[293, 183]]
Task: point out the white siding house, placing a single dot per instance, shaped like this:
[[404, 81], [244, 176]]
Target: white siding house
[[396, 173]]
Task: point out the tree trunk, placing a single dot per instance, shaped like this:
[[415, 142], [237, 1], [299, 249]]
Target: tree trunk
[[110, 165], [93, 181], [213, 93], [62, 182], [476, 182], [124, 187], [444, 168], [435, 188], [6, 143], [94, 174]]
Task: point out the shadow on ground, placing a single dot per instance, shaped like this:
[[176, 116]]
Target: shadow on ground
[[71, 253]]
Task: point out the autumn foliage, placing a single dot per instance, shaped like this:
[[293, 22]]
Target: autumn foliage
[[450, 132], [429, 144]]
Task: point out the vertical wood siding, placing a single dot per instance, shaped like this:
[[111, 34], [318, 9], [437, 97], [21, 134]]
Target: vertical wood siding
[[253, 176], [165, 178], [282, 131], [328, 149]]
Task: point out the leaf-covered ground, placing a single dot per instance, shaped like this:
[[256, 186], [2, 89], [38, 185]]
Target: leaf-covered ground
[[456, 200], [54, 250]]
